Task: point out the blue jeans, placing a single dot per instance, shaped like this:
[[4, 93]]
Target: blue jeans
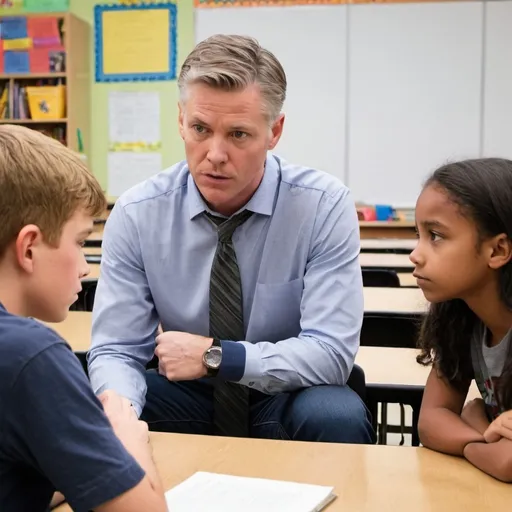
[[321, 413]]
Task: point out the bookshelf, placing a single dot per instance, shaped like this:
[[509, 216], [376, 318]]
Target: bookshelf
[[74, 74]]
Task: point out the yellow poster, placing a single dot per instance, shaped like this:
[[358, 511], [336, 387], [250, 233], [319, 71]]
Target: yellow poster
[[136, 42]]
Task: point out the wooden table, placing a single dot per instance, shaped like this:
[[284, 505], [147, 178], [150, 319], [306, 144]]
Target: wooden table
[[94, 271], [407, 279], [410, 301], [393, 245], [398, 262], [96, 251], [95, 238], [76, 329], [365, 478], [387, 229]]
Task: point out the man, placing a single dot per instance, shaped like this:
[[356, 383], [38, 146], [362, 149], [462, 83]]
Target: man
[[250, 265]]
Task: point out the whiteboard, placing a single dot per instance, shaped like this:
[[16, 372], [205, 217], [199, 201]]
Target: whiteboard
[[309, 41], [414, 94], [498, 80]]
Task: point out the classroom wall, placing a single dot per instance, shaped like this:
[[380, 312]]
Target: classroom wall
[[380, 94], [172, 147]]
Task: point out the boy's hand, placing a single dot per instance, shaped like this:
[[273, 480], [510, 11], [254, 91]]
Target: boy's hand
[[474, 415], [129, 429], [500, 427], [57, 499]]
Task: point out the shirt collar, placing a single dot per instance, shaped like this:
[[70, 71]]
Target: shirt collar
[[261, 202]]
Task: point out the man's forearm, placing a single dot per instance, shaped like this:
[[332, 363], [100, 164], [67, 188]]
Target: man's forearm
[[444, 431], [495, 459], [119, 375]]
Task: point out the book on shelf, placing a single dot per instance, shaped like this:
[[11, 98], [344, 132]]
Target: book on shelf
[[14, 98], [31, 45]]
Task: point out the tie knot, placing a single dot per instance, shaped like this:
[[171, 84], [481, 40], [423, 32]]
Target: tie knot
[[226, 227]]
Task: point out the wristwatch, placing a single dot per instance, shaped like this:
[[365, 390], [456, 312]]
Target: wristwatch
[[212, 358]]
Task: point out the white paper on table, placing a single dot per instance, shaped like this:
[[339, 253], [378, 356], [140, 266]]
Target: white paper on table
[[127, 168], [214, 492], [134, 117]]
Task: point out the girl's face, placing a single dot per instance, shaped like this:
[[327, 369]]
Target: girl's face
[[449, 259]]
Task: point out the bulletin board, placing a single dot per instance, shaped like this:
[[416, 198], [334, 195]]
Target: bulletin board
[[135, 42], [262, 3]]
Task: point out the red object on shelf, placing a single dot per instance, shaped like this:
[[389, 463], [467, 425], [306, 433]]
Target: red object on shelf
[[44, 28], [39, 60]]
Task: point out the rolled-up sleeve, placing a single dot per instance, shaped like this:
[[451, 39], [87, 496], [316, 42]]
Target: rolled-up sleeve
[[332, 308], [125, 320]]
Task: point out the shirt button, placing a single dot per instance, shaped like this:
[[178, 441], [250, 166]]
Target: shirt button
[[251, 383]]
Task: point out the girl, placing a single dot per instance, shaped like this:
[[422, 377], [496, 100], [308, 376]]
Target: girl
[[463, 266]]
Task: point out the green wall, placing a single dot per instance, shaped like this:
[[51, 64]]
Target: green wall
[[172, 147]]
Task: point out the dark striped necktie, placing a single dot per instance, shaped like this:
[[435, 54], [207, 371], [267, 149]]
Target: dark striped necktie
[[231, 401]]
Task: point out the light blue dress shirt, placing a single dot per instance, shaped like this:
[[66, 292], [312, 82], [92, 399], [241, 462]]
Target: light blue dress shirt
[[301, 281]]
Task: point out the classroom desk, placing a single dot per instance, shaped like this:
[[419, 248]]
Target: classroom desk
[[365, 478], [395, 301], [96, 251], [392, 374], [92, 254], [398, 262], [387, 229], [384, 245], [407, 280], [94, 239], [94, 272]]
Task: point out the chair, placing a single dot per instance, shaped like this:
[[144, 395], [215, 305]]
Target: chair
[[357, 381], [379, 277], [399, 331], [85, 300], [383, 330]]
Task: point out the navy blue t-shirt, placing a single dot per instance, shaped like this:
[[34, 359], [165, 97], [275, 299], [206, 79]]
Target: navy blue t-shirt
[[54, 434]]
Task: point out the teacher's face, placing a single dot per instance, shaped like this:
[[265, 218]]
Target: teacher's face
[[226, 135]]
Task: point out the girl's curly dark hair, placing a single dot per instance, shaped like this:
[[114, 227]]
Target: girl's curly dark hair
[[482, 189]]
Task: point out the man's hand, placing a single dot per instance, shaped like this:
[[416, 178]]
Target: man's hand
[[474, 415], [180, 355], [500, 427]]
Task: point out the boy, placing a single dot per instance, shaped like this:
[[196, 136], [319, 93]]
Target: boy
[[54, 432]]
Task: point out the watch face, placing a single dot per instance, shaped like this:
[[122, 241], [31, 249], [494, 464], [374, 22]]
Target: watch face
[[213, 357]]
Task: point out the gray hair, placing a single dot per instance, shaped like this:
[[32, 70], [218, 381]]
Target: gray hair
[[233, 62]]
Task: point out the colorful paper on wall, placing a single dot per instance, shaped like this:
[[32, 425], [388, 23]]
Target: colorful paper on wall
[[264, 3], [134, 139], [135, 43], [46, 5], [126, 169], [134, 121]]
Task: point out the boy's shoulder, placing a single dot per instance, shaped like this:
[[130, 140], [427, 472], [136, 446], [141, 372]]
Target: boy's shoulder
[[22, 339]]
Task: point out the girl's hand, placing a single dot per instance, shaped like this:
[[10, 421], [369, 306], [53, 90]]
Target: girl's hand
[[474, 415], [500, 427]]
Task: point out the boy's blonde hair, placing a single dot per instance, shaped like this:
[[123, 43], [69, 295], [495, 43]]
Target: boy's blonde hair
[[42, 182]]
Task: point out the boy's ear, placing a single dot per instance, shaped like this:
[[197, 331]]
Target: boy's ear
[[501, 251], [28, 239]]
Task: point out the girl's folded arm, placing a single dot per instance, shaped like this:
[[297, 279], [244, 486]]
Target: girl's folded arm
[[441, 427]]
